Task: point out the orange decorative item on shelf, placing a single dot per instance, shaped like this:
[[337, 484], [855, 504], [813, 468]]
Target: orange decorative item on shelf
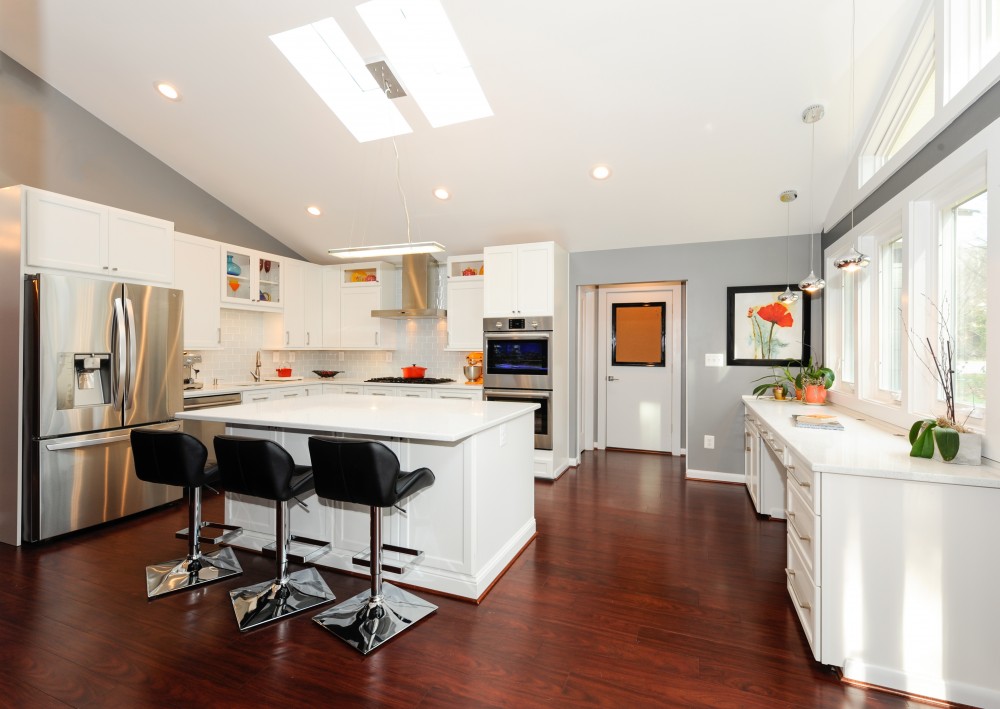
[[481, 270], [469, 272], [370, 278], [358, 276], [234, 284]]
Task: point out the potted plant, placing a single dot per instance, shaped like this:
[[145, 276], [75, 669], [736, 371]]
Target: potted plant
[[780, 382], [943, 438], [813, 380]]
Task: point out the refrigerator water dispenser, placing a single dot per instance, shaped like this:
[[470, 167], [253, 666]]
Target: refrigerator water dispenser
[[89, 380]]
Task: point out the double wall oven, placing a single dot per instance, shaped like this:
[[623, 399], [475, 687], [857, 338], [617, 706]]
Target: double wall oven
[[517, 366]]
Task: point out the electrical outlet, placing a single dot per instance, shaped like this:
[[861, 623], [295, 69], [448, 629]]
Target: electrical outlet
[[275, 356], [713, 360], [388, 356], [340, 356], [710, 441], [289, 356]]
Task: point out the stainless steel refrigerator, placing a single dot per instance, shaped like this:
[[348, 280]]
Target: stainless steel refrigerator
[[101, 358]]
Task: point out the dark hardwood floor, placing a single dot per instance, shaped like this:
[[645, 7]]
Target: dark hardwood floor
[[641, 590]]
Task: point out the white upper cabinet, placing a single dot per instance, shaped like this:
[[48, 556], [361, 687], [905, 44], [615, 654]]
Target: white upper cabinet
[[252, 279], [465, 302], [72, 234], [196, 272], [519, 280], [366, 287], [299, 325], [331, 276]]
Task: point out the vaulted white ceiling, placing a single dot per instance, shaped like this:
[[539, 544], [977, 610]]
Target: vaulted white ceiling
[[695, 105]]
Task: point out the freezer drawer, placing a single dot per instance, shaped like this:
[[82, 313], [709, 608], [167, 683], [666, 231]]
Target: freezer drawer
[[80, 481]]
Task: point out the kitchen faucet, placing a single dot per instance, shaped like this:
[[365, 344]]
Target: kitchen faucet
[[256, 372]]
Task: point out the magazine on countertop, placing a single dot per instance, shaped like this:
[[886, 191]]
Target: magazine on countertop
[[826, 422]]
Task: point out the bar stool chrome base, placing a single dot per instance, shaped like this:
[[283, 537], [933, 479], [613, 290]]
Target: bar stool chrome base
[[182, 574], [271, 600], [366, 622]]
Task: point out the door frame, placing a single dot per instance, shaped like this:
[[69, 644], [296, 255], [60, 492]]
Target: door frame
[[596, 313]]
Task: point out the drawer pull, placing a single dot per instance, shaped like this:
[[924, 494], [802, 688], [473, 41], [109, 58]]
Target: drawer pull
[[804, 604], [791, 520], [804, 483], [748, 447], [789, 572]]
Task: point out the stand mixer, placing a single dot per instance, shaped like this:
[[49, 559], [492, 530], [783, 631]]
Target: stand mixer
[[473, 369]]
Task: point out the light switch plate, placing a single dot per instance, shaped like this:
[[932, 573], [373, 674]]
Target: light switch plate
[[713, 360]]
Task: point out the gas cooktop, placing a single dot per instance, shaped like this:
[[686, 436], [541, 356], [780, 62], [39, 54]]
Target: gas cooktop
[[412, 380]]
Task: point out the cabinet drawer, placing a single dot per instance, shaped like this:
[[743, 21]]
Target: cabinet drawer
[[803, 529], [804, 479], [805, 597]]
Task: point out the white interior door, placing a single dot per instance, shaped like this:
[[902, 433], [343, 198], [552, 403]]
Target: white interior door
[[639, 381]]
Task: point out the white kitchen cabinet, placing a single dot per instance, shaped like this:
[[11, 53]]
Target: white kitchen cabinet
[[351, 389], [465, 313], [378, 390], [314, 389], [196, 272], [470, 394], [519, 280], [751, 462], [300, 322], [413, 392], [330, 281], [76, 235], [251, 396], [358, 298], [256, 281], [332, 388]]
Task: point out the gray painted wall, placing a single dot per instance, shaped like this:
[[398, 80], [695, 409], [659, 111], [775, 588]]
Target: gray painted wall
[[713, 394], [48, 141]]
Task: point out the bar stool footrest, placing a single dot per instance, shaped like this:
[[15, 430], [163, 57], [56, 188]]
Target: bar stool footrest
[[319, 547], [230, 532], [364, 559]]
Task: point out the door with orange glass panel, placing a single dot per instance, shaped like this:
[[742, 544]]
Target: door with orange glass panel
[[639, 380]]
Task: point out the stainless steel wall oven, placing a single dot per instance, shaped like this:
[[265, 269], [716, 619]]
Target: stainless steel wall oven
[[517, 366]]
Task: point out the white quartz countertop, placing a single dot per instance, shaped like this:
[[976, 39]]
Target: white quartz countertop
[[446, 420], [864, 447], [239, 387]]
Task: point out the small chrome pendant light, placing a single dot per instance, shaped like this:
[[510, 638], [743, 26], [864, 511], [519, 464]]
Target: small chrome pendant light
[[787, 197], [811, 283]]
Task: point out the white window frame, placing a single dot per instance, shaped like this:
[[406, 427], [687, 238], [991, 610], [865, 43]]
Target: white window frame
[[871, 284], [971, 168], [971, 40], [833, 336], [910, 77]]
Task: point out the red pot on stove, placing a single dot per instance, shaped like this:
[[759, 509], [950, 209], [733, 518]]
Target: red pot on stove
[[413, 372]]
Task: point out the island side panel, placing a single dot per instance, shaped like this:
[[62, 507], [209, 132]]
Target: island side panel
[[910, 581]]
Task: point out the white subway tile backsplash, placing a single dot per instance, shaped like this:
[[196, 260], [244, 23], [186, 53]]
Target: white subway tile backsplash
[[420, 342]]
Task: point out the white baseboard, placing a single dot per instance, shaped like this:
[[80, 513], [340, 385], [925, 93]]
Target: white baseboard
[[693, 474], [934, 687]]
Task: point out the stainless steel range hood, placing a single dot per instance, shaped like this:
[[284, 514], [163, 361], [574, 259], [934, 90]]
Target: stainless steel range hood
[[419, 280]]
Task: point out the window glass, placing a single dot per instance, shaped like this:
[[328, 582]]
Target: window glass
[[848, 295], [921, 111], [890, 322], [963, 291], [973, 40]]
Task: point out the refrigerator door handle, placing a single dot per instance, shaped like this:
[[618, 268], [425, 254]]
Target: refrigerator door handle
[[132, 357], [70, 445], [118, 362]]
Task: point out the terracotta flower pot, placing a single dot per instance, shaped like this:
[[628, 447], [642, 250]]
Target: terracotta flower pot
[[815, 394]]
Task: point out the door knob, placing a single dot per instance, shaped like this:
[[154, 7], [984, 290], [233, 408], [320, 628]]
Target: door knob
[[612, 379]]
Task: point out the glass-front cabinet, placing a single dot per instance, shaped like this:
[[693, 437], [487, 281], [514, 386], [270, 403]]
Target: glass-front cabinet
[[252, 279]]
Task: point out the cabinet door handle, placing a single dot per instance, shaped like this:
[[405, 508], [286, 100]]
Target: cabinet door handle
[[105, 267], [220, 336], [288, 337], [114, 268], [376, 339], [307, 338]]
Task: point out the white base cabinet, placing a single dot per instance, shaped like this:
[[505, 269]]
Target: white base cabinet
[[891, 561]]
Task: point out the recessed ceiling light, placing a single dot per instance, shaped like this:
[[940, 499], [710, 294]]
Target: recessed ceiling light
[[441, 193], [315, 211], [167, 91], [600, 172], [331, 65]]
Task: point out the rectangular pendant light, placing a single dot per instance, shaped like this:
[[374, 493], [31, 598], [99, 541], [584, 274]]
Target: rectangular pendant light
[[331, 65], [426, 56], [416, 247]]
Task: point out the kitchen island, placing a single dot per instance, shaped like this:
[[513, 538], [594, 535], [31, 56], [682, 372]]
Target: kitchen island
[[474, 520]]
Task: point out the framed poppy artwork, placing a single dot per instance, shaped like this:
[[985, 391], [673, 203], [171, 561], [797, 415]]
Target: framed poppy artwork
[[764, 331]]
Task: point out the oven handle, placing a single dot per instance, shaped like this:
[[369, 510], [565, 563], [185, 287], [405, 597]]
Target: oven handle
[[527, 335], [518, 394]]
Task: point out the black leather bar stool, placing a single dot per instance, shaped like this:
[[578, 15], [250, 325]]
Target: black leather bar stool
[[175, 458], [367, 473], [262, 468]]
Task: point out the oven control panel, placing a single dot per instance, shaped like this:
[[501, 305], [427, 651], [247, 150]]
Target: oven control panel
[[539, 324]]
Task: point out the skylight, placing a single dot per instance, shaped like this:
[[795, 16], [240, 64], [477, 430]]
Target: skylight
[[332, 66], [428, 59]]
